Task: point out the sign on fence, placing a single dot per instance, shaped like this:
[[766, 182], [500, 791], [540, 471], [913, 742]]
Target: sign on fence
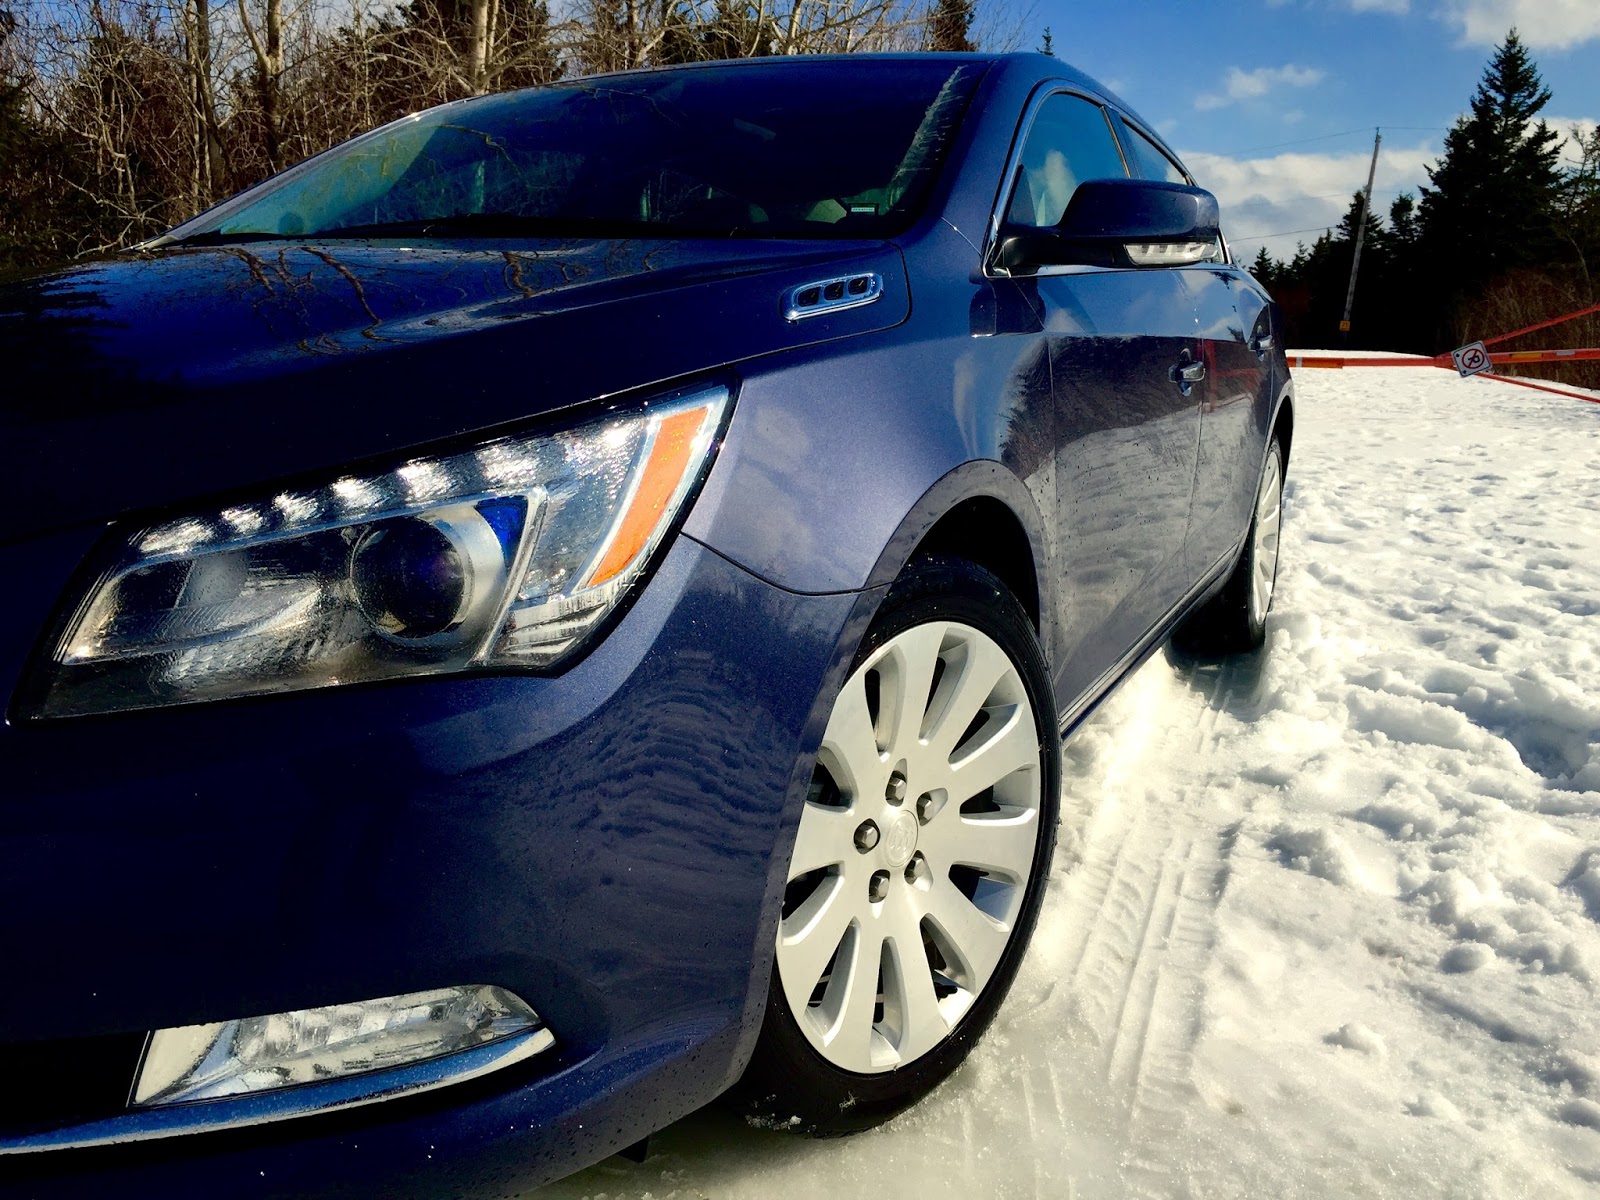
[[1471, 360]]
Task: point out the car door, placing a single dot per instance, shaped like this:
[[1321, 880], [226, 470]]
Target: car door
[[1236, 341], [1127, 422]]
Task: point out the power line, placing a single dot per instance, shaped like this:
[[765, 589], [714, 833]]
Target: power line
[[1261, 237], [1328, 137], [1329, 196]]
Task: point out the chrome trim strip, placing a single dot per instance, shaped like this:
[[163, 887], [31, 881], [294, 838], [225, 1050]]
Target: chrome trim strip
[[235, 1112], [793, 310]]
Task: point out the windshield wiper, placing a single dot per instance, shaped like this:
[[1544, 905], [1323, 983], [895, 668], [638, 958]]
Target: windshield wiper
[[216, 237]]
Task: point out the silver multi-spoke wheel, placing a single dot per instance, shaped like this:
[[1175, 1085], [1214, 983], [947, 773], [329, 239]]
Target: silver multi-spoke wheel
[[1268, 526], [914, 849]]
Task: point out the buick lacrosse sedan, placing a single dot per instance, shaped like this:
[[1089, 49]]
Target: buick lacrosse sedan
[[566, 606]]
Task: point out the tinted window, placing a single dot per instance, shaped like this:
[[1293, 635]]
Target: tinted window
[[1149, 161], [1070, 141], [797, 148]]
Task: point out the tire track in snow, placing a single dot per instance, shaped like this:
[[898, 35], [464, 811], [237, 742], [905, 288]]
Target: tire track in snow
[[1145, 899]]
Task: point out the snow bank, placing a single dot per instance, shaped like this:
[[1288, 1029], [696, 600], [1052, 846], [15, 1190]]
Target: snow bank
[[1325, 921]]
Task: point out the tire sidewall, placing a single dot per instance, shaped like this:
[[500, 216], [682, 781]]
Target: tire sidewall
[[1256, 630]]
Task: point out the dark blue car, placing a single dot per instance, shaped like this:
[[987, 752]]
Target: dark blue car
[[566, 606]]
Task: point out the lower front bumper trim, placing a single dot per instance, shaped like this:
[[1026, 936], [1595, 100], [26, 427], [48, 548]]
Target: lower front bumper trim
[[203, 1116]]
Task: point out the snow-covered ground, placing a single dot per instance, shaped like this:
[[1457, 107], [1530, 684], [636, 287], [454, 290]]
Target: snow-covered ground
[[1325, 922]]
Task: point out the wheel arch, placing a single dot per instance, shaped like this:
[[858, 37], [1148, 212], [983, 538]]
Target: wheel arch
[[982, 513], [1283, 425]]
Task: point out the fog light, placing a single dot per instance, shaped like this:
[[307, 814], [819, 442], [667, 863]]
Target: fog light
[[259, 1054]]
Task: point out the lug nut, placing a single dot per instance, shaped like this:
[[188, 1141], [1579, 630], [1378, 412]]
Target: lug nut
[[925, 808], [913, 867], [866, 836], [879, 887], [895, 793]]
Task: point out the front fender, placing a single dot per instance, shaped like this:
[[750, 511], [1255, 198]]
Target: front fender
[[840, 457]]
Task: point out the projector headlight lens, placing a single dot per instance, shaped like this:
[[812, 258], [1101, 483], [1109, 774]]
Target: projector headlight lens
[[506, 555]]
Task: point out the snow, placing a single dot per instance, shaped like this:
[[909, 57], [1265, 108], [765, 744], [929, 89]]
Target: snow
[[1324, 921]]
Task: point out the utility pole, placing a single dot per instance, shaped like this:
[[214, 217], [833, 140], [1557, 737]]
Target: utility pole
[[1361, 238]]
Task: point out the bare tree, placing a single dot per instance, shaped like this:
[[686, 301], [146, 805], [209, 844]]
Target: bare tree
[[267, 44], [158, 108]]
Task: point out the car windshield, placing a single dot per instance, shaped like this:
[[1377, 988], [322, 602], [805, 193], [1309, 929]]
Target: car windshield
[[791, 149]]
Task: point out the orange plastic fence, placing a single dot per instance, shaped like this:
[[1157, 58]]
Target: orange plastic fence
[[1496, 358]]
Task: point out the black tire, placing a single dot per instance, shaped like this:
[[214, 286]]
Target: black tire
[[790, 1085], [1230, 623]]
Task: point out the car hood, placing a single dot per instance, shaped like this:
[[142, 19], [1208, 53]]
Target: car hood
[[149, 380]]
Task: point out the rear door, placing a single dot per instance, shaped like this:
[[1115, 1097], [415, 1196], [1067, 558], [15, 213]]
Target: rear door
[[1127, 430]]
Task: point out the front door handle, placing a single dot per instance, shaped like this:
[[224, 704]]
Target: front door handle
[[1262, 343], [1187, 373]]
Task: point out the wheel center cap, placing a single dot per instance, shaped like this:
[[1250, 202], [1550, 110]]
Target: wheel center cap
[[900, 839]]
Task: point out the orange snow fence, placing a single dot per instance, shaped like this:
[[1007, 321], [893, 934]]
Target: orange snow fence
[[1484, 356]]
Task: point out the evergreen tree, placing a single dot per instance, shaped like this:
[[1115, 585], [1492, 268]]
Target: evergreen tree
[[950, 25], [1404, 231], [1264, 269], [1492, 204], [1048, 45], [1377, 237], [1404, 318]]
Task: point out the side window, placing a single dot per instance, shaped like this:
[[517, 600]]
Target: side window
[[1070, 141], [1150, 161]]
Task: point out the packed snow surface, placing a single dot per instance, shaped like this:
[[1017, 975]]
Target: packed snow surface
[[1323, 921]]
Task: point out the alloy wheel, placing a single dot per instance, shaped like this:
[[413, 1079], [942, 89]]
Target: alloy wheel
[[1268, 526], [914, 848]]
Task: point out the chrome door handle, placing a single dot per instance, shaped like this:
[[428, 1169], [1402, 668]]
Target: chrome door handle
[[1187, 373], [1262, 342]]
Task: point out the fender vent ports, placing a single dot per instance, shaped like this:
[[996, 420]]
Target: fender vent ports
[[832, 295]]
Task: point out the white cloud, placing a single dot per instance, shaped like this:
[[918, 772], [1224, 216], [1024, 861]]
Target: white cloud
[[1290, 193], [1542, 24], [1570, 149], [1240, 84]]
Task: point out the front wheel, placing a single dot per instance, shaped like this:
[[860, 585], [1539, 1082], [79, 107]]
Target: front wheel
[[920, 859]]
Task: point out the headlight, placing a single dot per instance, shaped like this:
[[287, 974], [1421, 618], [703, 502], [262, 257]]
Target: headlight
[[507, 555]]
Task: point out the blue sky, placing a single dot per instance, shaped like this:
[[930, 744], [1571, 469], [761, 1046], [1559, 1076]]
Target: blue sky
[[1229, 83]]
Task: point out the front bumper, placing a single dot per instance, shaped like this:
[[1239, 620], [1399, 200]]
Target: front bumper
[[599, 842]]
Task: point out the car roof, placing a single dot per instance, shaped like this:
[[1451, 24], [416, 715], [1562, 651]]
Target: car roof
[[1027, 66]]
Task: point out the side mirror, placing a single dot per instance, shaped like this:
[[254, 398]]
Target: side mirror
[[1120, 223]]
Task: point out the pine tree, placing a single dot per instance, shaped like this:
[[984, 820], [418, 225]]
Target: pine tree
[[1047, 45], [1405, 321], [950, 25], [1491, 207], [1377, 237], [1264, 269], [1404, 230]]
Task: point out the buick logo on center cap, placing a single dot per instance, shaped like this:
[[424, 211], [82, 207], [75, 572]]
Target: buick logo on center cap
[[900, 839]]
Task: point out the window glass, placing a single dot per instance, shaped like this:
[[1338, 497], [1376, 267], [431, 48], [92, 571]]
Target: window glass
[[1070, 141], [1149, 161], [811, 149]]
